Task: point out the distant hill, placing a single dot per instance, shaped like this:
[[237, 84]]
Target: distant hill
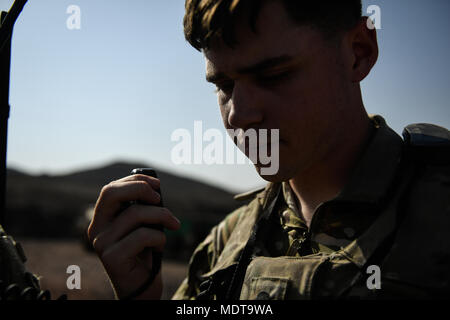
[[55, 206]]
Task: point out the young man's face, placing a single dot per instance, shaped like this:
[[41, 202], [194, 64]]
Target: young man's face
[[285, 77]]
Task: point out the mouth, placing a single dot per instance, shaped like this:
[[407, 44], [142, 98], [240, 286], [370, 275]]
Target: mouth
[[258, 144], [255, 152]]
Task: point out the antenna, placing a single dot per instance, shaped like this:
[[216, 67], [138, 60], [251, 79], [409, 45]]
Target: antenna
[[7, 21]]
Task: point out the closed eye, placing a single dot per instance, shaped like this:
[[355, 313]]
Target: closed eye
[[225, 86], [275, 78]]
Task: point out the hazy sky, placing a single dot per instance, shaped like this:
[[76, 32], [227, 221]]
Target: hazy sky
[[117, 88]]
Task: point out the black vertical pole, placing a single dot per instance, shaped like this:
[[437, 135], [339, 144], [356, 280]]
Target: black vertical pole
[[7, 21], [5, 65]]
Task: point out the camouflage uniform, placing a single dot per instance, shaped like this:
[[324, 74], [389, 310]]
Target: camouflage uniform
[[393, 213]]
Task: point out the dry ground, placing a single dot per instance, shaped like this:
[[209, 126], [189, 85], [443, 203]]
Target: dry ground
[[50, 259]]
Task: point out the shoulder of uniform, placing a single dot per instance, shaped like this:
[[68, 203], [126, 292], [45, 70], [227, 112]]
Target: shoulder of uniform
[[249, 194], [427, 143], [424, 134]]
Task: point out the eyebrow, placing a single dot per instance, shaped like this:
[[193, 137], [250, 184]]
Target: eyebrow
[[254, 69]]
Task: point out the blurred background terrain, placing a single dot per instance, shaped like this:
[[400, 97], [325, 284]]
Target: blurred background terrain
[[49, 215]]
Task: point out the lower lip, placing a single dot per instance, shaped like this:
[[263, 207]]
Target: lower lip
[[247, 148]]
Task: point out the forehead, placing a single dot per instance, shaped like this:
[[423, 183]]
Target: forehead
[[276, 35]]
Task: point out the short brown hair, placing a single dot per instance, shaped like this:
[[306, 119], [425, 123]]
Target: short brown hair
[[205, 20]]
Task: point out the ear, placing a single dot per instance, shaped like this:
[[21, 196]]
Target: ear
[[363, 45]]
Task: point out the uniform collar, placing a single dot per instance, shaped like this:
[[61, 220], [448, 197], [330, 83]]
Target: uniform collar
[[376, 170], [369, 184]]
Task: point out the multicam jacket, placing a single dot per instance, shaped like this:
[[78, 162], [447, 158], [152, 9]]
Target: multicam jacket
[[393, 214]]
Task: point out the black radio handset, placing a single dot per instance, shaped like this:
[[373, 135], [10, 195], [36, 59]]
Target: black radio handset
[[156, 256]]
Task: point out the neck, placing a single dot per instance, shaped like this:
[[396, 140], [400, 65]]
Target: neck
[[327, 176]]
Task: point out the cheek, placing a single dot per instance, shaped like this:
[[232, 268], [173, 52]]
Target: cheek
[[290, 105], [311, 98], [300, 114]]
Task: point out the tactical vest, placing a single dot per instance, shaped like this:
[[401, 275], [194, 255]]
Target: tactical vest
[[16, 282], [410, 267]]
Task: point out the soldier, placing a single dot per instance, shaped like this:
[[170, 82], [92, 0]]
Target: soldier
[[354, 211]]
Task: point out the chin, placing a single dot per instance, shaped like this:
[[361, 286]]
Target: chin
[[280, 176]]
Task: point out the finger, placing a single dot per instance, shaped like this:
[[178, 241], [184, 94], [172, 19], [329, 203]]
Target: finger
[[132, 218], [112, 198], [154, 182], [134, 243]]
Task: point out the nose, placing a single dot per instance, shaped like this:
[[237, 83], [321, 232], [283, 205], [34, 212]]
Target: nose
[[246, 110]]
